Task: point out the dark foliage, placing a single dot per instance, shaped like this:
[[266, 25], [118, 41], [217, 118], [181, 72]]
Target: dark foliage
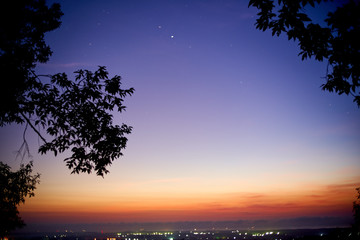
[[23, 24], [14, 187], [76, 114], [339, 42], [356, 211]]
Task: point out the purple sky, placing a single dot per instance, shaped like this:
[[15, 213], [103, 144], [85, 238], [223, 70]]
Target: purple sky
[[219, 108]]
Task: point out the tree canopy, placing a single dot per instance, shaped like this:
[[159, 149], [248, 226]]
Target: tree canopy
[[338, 42], [22, 27], [14, 187], [76, 114]]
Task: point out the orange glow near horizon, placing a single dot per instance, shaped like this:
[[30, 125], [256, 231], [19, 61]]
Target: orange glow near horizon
[[228, 122], [331, 200]]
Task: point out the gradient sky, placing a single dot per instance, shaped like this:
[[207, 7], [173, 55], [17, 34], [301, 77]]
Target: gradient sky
[[229, 123]]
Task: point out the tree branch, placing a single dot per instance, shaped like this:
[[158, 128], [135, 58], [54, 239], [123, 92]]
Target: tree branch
[[24, 148], [33, 127]]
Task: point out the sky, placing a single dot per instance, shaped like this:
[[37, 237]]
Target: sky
[[228, 123]]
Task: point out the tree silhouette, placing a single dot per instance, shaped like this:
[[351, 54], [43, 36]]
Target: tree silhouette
[[356, 211], [22, 27], [338, 43], [14, 187], [76, 115]]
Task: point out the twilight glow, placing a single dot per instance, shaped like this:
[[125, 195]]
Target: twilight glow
[[229, 123]]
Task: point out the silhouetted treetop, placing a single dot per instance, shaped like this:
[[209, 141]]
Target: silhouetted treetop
[[76, 114], [22, 27], [338, 42]]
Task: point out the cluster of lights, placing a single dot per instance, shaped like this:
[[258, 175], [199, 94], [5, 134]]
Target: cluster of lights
[[55, 236], [264, 234], [202, 233], [169, 235], [155, 233], [126, 236]]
